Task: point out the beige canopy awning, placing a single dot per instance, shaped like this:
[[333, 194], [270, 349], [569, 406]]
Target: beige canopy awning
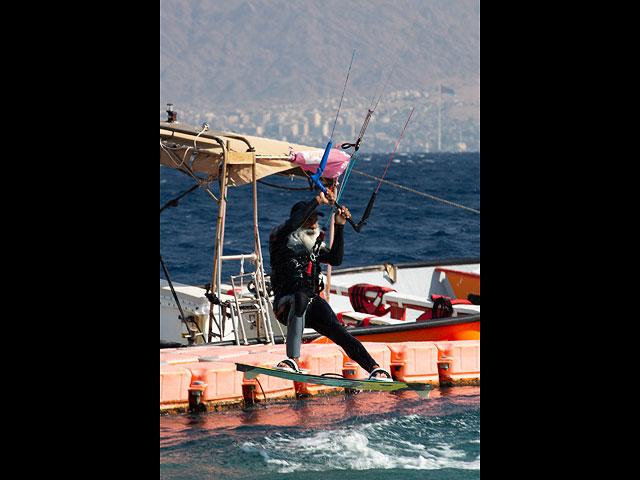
[[179, 143]]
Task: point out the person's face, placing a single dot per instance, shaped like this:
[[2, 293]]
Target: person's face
[[312, 222]]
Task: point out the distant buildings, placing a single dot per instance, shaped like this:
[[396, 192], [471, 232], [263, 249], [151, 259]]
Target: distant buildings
[[312, 124]]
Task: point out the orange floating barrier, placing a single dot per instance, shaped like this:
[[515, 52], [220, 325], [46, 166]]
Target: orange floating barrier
[[204, 377], [223, 354], [217, 382], [193, 354], [264, 386], [459, 362], [414, 362], [380, 353], [177, 358], [280, 349], [174, 384], [318, 360]]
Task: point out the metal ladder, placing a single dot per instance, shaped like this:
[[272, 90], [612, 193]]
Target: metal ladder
[[258, 303]]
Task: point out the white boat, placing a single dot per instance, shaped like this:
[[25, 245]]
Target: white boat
[[411, 296]]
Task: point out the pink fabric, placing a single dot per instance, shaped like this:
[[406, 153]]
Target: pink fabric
[[309, 160]]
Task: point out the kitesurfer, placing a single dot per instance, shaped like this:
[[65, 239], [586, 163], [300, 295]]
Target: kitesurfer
[[296, 251]]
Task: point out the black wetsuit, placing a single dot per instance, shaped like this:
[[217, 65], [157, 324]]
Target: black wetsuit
[[296, 281]]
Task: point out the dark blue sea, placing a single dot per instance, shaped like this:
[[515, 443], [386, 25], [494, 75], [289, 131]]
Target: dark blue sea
[[366, 436], [403, 226]]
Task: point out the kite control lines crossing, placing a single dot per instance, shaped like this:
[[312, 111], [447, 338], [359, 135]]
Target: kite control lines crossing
[[315, 178]]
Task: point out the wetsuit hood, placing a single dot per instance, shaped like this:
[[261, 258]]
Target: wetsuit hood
[[302, 204]]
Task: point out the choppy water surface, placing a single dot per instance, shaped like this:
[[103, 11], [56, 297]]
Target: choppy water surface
[[369, 435]]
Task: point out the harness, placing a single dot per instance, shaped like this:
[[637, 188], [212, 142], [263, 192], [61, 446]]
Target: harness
[[299, 270]]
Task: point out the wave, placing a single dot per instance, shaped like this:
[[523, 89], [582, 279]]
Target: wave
[[375, 446]]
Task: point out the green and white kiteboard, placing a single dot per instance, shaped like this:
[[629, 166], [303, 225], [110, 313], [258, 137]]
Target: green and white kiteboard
[[421, 389]]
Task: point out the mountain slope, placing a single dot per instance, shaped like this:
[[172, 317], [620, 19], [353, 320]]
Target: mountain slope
[[243, 53]]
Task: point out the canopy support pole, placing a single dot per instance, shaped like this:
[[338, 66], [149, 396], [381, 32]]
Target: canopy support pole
[[263, 297], [215, 277]]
